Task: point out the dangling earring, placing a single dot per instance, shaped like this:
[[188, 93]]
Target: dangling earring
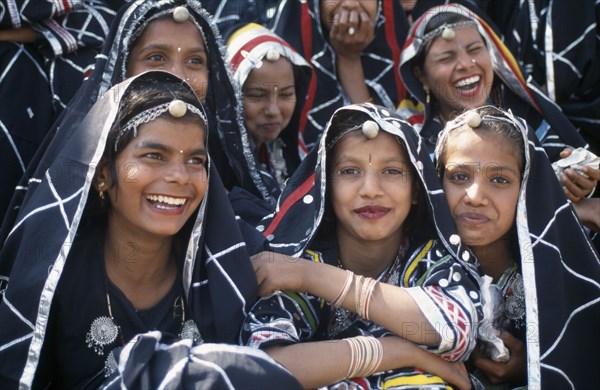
[[427, 96], [101, 190]]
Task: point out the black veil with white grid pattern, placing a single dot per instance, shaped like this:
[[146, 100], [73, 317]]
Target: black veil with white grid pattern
[[561, 277], [217, 275]]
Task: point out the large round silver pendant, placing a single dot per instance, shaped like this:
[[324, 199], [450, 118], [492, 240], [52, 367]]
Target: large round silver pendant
[[103, 332]]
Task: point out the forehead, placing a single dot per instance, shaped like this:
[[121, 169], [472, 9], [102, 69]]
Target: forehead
[[464, 36], [385, 144], [271, 73], [164, 127], [166, 29], [466, 145]]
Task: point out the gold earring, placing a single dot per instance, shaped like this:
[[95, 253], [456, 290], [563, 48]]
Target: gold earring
[[427, 96], [101, 190]]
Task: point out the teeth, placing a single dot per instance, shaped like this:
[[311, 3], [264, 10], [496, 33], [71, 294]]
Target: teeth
[[467, 81], [167, 200]]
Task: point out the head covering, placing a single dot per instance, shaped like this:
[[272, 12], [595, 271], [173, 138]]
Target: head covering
[[217, 276], [561, 275], [299, 23], [301, 207], [228, 140], [247, 48], [526, 100]]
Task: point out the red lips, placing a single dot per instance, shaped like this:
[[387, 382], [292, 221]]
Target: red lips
[[372, 211]]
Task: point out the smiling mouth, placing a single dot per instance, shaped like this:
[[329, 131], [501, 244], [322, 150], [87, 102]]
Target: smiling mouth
[[468, 85], [166, 202], [372, 212]]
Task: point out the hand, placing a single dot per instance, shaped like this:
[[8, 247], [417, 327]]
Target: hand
[[513, 371], [576, 185], [452, 372], [351, 17], [275, 271], [588, 211]]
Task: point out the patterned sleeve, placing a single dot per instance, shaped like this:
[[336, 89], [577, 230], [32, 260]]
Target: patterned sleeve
[[447, 292], [63, 26], [282, 318]]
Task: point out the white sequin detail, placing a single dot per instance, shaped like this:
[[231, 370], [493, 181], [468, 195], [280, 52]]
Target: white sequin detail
[[454, 239], [308, 199]]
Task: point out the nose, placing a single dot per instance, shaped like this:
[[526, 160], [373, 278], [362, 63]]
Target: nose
[[272, 106], [371, 185], [177, 172], [178, 69], [475, 194], [464, 60]]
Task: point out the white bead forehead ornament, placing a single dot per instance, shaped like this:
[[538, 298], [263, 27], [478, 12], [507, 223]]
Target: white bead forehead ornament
[[272, 55], [370, 129], [448, 33], [177, 108], [181, 14], [473, 119]]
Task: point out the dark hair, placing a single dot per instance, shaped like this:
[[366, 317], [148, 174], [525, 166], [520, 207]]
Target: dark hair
[[344, 120], [500, 127], [436, 21]]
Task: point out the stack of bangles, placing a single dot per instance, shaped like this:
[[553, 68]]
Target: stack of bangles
[[366, 354], [363, 291]]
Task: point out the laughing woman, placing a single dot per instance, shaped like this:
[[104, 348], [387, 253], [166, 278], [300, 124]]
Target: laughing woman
[[118, 239], [453, 61]]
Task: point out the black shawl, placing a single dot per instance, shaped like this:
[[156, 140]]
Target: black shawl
[[511, 89], [298, 22], [217, 276], [561, 278]]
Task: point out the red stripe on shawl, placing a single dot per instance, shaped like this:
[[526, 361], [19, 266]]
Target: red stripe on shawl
[[510, 60], [415, 27], [66, 6], [390, 33], [250, 45], [306, 31], [289, 202]]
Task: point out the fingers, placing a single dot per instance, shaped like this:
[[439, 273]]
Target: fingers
[[510, 341], [592, 173], [351, 24], [577, 185], [566, 152]]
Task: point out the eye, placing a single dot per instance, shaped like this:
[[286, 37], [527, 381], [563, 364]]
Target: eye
[[254, 94], [475, 49], [197, 160], [457, 177], [155, 57], [500, 180], [348, 171], [288, 95], [394, 171], [153, 156], [197, 60]]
